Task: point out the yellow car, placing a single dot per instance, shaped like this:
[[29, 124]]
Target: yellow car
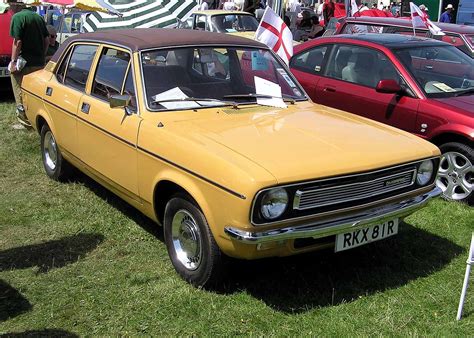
[[211, 136], [221, 21]]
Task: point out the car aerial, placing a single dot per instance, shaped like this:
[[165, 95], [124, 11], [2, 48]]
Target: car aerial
[[190, 128], [460, 36], [221, 21], [420, 85]]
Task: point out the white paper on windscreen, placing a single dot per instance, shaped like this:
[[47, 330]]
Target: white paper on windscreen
[[171, 94], [265, 87]]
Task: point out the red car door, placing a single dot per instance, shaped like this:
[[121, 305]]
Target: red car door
[[308, 67], [350, 77]]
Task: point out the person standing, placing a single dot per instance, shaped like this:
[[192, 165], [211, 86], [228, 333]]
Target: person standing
[[250, 6], [53, 44], [30, 41], [328, 11], [447, 15]]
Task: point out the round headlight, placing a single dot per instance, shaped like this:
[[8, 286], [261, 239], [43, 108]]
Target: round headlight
[[274, 203], [425, 171]]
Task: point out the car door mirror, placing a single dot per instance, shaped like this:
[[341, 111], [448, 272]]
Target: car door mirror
[[119, 101], [388, 86]]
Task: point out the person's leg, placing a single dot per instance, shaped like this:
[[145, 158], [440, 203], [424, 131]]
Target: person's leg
[[16, 79]]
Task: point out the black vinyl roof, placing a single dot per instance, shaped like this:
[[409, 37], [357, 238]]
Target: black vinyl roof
[[137, 39]]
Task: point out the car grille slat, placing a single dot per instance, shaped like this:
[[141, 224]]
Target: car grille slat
[[312, 197]]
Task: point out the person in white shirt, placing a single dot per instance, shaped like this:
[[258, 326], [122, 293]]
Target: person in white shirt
[[319, 11], [204, 6], [229, 5]]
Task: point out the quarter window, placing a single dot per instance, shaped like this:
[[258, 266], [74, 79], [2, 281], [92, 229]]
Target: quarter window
[[79, 66], [110, 74], [363, 66], [62, 68], [310, 61]]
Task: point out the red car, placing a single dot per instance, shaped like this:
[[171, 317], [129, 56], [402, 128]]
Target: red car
[[460, 36], [5, 43], [421, 85]]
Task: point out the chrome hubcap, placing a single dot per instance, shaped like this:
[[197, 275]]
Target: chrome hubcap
[[455, 175], [50, 150], [187, 242]]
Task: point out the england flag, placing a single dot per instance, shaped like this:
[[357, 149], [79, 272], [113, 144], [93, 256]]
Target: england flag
[[273, 32], [420, 20]]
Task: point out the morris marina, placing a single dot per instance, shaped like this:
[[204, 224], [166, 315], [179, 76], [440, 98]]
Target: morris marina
[[212, 137]]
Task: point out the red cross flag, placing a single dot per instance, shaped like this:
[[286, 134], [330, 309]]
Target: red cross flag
[[273, 32], [420, 20]]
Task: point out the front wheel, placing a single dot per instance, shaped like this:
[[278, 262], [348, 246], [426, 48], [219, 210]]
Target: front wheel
[[191, 246], [456, 172]]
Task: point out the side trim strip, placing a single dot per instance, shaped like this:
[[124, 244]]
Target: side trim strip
[[147, 152], [193, 173]]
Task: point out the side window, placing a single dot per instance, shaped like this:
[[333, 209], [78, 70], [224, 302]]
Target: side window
[[110, 75], [360, 65], [62, 68], [310, 61], [79, 66], [129, 89], [201, 22], [187, 24], [352, 28]]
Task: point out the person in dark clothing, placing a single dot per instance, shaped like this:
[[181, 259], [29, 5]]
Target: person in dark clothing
[[447, 15], [251, 5], [30, 41], [328, 11]]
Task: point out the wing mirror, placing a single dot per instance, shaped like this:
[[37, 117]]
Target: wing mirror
[[389, 86], [121, 101]]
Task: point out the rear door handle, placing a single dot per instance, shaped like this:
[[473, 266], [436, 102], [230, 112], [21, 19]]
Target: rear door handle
[[330, 89], [85, 108], [49, 91]]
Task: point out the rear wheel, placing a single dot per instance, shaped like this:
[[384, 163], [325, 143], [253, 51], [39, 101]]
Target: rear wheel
[[55, 166], [456, 172], [191, 246]]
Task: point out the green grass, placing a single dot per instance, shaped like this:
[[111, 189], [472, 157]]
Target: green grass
[[75, 259]]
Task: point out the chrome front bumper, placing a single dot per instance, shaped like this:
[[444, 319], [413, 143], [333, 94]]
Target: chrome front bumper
[[335, 226]]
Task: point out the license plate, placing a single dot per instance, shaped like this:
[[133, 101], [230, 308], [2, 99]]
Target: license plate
[[366, 235], [4, 72]]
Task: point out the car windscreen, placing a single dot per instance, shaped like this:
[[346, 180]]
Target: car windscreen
[[440, 71], [233, 23], [215, 75]]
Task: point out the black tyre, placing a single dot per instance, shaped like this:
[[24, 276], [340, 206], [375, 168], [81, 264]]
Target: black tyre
[[456, 172], [191, 246], [55, 166]]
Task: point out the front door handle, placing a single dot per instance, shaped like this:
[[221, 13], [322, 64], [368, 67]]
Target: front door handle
[[330, 89], [85, 108]]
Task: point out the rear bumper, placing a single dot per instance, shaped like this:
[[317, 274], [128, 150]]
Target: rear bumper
[[335, 226]]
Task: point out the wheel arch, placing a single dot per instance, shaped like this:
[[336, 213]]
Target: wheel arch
[[169, 185], [41, 119], [450, 136]]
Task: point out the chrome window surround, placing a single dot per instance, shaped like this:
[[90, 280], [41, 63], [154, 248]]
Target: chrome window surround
[[214, 45], [416, 163]]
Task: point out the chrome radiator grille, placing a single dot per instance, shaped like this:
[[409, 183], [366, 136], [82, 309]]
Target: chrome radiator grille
[[312, 197]]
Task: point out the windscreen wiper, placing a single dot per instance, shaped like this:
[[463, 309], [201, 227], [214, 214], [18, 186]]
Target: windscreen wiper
[[465, 92], [197, 100], [258, 96]]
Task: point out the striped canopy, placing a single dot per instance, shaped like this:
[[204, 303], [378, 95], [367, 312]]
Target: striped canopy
[[141, 14]]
